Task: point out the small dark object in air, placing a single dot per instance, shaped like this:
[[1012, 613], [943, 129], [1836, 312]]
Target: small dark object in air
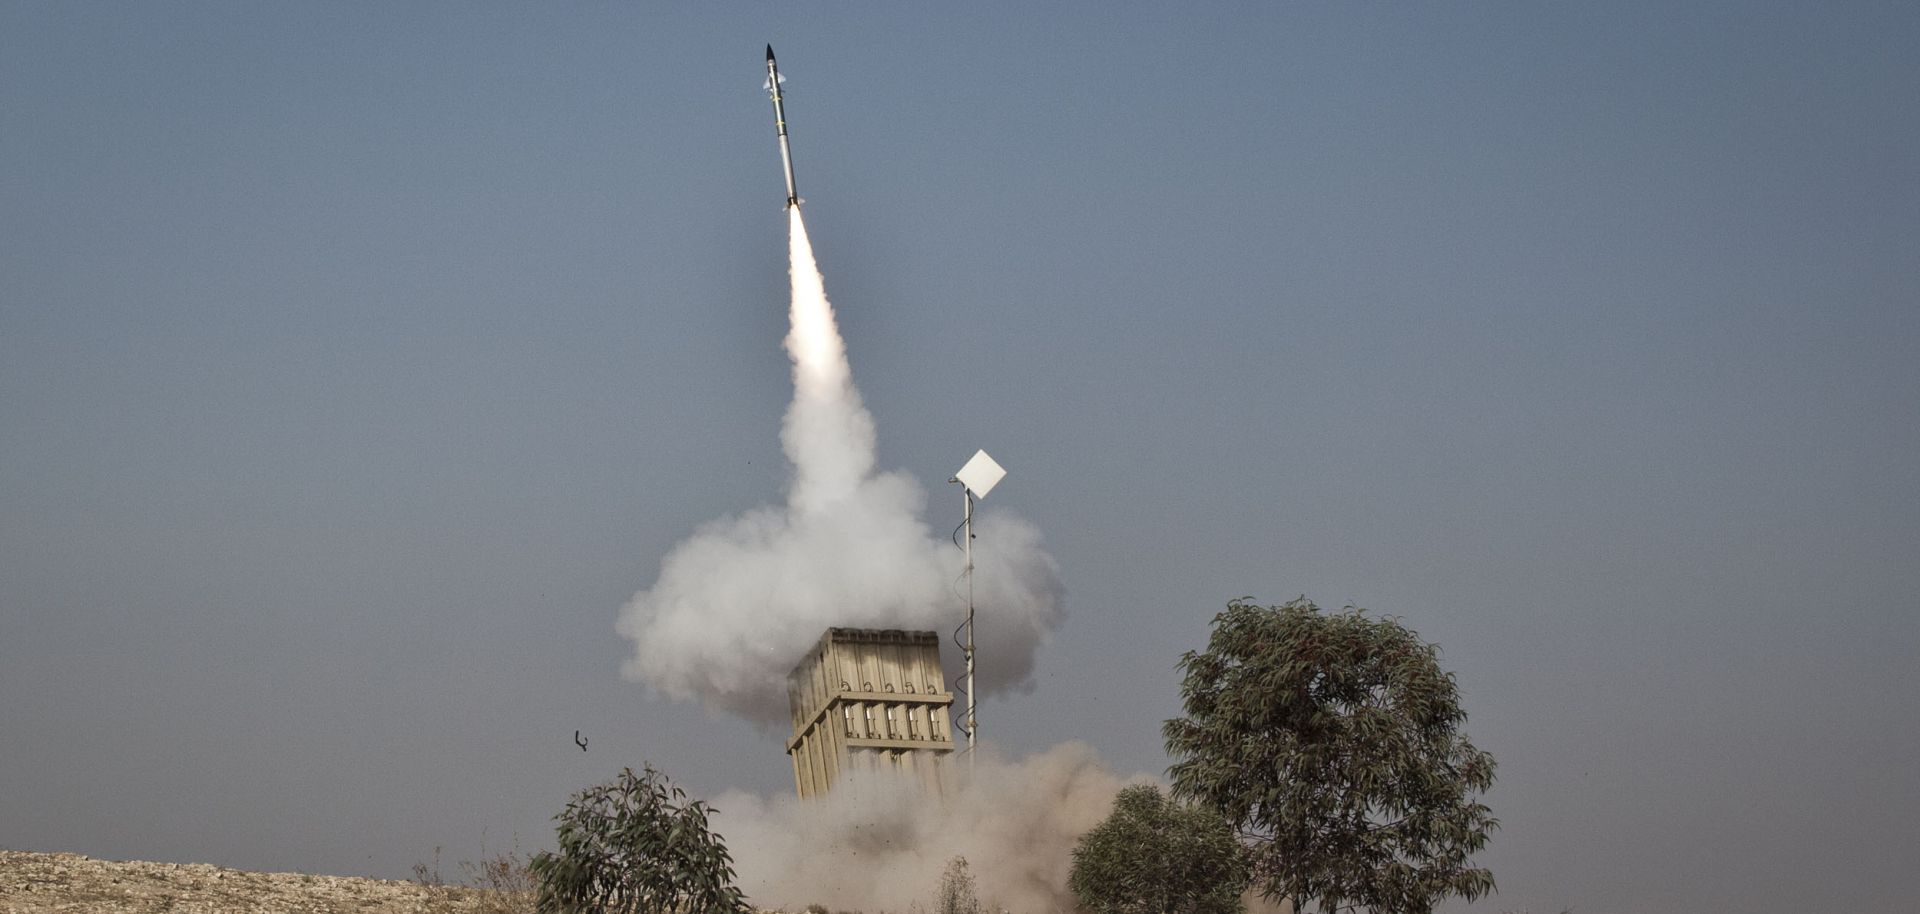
[[580, 741]]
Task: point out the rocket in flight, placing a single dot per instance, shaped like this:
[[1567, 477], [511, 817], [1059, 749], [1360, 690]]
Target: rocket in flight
[[780, 122]]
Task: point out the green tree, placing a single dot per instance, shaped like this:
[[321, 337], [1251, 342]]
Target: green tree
[[636, 845], [1156, 856], [1332, 742]]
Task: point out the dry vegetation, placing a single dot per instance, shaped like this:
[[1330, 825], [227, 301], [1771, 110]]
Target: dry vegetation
[[33, 883]]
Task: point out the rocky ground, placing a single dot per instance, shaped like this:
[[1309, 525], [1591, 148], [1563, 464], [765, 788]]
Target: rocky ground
[[41, 883]]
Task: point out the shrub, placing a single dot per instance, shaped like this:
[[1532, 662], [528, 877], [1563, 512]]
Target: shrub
[[498, 884], [1156, 856], [957, 894], [636, 845]]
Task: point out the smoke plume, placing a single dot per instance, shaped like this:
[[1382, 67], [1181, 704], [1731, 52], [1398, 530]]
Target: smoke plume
[[879, 841], [739, 603]]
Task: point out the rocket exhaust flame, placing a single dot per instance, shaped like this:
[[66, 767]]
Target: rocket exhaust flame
[[828, 433], [737, 604]]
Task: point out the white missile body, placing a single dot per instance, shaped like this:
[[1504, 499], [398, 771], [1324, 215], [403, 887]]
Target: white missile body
[[780, 122]]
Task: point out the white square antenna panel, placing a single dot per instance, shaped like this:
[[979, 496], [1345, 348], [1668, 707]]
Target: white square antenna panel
[[980, 474]]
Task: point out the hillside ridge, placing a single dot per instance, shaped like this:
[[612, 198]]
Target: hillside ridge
[[43, 883]]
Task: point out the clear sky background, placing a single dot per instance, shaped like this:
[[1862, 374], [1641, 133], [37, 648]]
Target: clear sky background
[[359, 361]]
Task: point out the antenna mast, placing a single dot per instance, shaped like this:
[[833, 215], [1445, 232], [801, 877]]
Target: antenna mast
[[977, 478], [973, 726]]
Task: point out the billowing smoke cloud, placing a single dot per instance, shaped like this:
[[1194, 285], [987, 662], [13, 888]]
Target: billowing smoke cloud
[[879, 841], [742, 600]]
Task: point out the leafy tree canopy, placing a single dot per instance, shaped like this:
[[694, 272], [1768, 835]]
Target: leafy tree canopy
[[636, 845], [1156, 856], [1332, 743]]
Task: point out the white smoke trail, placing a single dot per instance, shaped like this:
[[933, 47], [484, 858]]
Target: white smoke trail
[[828, 433], [879, 842], [739, 603]]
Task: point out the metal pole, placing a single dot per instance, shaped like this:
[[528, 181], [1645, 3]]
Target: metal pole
[[973, 726]]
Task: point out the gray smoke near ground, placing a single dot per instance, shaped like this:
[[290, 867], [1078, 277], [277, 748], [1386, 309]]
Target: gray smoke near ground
[[740, 602], [880, 841]]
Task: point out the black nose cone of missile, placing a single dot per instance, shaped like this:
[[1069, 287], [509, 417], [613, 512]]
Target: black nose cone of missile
[[769, 53]]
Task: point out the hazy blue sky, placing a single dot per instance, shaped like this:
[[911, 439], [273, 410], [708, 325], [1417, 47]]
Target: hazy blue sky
[[358, 361]]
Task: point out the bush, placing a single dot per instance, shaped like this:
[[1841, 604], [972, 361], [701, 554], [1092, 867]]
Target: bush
[[957, 894], [497, 884], [1155, 856], [636, 845], [505, 883]]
